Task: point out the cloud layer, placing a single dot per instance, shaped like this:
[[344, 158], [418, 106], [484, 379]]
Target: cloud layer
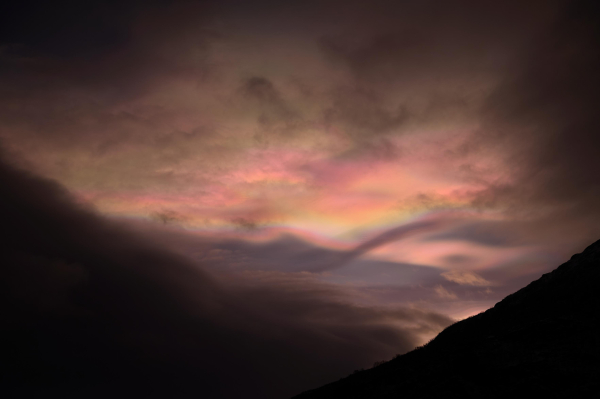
[[92, 309], [298, 179]]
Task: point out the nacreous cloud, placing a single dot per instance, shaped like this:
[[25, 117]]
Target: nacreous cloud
[[97, 310]]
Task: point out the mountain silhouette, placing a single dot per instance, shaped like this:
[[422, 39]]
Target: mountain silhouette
[[542, 341]]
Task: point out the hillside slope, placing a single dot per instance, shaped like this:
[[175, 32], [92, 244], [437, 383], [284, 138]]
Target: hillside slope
[[543, 340]]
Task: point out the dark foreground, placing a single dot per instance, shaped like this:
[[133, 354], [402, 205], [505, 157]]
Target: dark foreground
[[542, 341]]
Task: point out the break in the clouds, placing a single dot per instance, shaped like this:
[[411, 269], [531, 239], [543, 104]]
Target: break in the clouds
[[417, 154]]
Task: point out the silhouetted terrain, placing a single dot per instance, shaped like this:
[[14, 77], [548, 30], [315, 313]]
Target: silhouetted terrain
[[542, 341]]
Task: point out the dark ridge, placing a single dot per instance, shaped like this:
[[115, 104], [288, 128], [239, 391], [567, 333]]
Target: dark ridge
[[541, 341]]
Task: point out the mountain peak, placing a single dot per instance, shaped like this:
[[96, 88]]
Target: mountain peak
[[542, 340]]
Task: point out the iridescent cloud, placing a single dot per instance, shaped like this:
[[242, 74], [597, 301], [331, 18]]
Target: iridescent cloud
[[266, 124]]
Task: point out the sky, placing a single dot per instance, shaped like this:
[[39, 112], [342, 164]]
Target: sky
[[363, 173]]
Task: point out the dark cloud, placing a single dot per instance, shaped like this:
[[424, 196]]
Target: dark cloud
[[289, 253], [423, 41], [457, 259], [360, 112], [63, 91], [262, 90], [544, 117], [276, 116], [245, 223], [490, 233], [72, 29], [370, 280], [292, 254], [379, 149], [167, 216], [91, 309], [387, 237], [70, 60], [422, 63], [371, 273], [65, 28]]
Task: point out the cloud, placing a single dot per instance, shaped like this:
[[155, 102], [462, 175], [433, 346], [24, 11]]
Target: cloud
[[245, 223], [389, 236], [464, 277], [543, 119], [103, 304], [260, 113], [490, 233], [262, 90], [275, 114], [444, 293], [168, 216], [361, 113], [75, 30]]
